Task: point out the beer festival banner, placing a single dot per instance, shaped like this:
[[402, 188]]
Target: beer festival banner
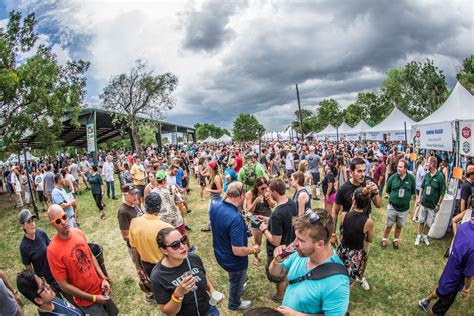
[[438, 136], [466, 139]]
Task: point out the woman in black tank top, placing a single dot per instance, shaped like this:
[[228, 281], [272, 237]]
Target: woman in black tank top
[[357, 231], [301, 197], [259, 202]]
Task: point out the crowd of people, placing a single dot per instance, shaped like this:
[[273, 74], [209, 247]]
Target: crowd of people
[[264, 192]]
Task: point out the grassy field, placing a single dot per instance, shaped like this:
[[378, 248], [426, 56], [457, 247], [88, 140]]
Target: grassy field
[[398, 279]]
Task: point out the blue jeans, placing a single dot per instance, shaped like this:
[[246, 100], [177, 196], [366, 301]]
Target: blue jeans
[[236, 285], [213, 311], [110, 185]]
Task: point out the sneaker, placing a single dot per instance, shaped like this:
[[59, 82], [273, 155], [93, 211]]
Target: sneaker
[[424, 305], [395, 244], [417, 240], [243, 306], [149, 298], [364, 284], [383, 243], [426, 241]]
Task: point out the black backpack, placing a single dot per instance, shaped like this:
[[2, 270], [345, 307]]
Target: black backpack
[[322, 271]]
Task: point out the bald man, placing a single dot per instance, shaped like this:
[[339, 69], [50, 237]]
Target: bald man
[[76, 269]]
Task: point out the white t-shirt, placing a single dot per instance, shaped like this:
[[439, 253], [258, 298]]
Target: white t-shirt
[[70, 177], [15, 182], [39, 182]]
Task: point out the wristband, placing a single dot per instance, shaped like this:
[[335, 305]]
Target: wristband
[[176, 299], [94, 298], [275, 262]]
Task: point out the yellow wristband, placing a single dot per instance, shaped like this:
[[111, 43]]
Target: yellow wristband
[[94, 298], [175, 299]]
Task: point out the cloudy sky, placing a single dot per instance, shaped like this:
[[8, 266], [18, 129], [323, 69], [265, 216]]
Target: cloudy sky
[[236, 57]]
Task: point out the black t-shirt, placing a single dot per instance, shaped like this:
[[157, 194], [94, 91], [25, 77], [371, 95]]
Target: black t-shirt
[[345, 194], [34, 252], [466, 191], [280, 224], [329, 178], [263, 161], [164, 281]]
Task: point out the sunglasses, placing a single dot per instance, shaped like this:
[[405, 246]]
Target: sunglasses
[[57, 221], [175, 245], [43, 286], [313, 217]]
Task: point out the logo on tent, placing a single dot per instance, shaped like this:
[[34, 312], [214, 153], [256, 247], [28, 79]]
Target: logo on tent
[[466, 132], [466, 147]]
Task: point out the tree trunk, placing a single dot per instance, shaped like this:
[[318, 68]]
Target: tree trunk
[[135, 136]]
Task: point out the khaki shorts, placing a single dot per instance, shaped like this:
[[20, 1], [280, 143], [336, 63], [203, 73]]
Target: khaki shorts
[[394, 216], [426, 216]]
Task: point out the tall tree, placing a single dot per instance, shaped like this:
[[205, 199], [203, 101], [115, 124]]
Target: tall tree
[[375, 110], [465, 74], [418, 89], [35, 92], [353, 114], [246, 127], [329, 112], [305, 115], [205, 130], [139, 93]]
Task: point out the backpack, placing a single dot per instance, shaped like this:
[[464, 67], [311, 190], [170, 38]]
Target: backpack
[[250, 174], [322, 271]]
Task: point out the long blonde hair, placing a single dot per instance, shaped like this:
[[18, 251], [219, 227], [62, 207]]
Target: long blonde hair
[[303, 167]]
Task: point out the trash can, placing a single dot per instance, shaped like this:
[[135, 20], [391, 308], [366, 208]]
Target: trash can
[[98, 253]]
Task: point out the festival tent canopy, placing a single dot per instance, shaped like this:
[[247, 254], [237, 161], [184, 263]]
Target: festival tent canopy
[[210, 139], [344, 128], [225, 139], [328, 130], [360, 127], [458, 106], [393, 122]]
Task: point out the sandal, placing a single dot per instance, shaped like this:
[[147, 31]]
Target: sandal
[[206, 229], [395, 244], [103, 216], [383, 243]]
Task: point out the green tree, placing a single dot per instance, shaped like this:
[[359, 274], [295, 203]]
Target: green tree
[[329, 112], [465, 73], [140, 93], [375, 110], [418, 89], [305, 115], [246, 127], [353, 114], [37, 92], [204, 130]]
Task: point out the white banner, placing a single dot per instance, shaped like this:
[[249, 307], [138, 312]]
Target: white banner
[[332, 138], [399, 136], [437, 136], [466, 139], [374, 136], [352, 137], [90, 138]]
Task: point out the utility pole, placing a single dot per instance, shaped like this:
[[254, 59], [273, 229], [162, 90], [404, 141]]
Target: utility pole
[[299, 111]]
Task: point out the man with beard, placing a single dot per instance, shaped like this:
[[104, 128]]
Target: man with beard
[[328, 295], [76, 269]]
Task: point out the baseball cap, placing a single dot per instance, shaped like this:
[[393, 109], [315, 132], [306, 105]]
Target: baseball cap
[[160, 175], [25, 215], [248, 156], [128, 188], [212, 164]]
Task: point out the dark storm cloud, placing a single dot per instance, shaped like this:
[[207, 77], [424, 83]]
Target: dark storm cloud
[[207, 29], [331, 43]]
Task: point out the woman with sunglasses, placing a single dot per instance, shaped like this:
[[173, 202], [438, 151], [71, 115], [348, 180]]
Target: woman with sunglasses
[[357, 233], [179, 281], [259, 202]]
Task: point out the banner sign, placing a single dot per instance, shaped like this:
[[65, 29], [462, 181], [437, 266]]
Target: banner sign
[[352, 137], [437, 136], [90, 137], [466, 139], [374, 136], [332, 138], [398, 136]]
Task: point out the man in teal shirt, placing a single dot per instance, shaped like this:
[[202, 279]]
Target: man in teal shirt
[[328, 296], [431, 196], [401, 187]]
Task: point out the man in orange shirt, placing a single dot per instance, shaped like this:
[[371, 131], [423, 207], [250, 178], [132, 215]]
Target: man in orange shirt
[[76, 269]]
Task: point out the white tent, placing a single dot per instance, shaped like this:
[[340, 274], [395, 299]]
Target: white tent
[[328, 130], [225, 139], [344, 128], [357, 131], [393, 126], [437, 131], [210, 139]]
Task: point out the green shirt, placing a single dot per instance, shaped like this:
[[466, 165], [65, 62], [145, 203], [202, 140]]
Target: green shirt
[[400, 191], [433, 188], [249, 173]]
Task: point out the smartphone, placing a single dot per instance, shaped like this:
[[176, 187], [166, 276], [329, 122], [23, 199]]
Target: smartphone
[[254, 220]]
